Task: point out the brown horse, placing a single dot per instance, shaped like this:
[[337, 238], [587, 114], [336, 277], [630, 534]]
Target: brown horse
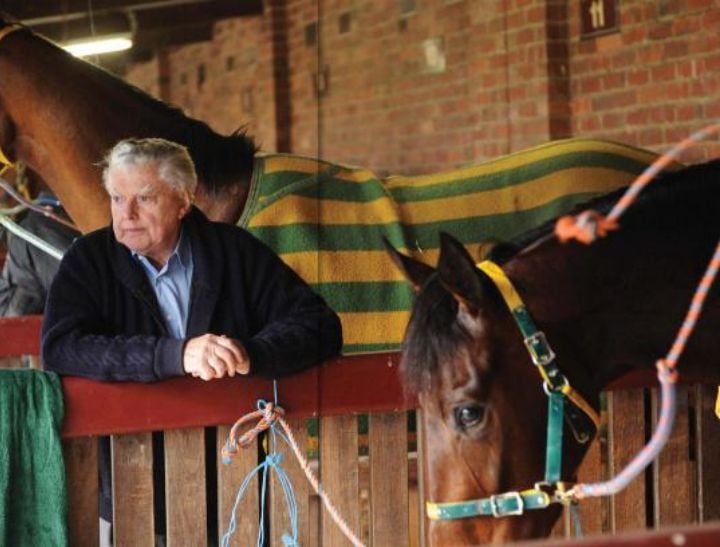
[[59, 115], [605, 308]]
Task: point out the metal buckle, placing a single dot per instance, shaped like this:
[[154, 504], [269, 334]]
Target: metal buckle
[[547, 388], [507, 495], [540, 351]]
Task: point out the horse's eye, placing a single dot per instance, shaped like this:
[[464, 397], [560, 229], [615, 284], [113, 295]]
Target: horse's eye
[[469, 416]]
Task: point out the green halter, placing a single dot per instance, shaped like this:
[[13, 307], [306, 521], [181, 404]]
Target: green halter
[[556, 387]]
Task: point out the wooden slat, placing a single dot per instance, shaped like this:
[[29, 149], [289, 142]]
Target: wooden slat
[[339, 476], [314, 510], [421, 476], [230, 477], [132, 478], [673, 473], [561, 529], [592, 510], [388, 479], [626, 437], [414, 514], [279, 516], [80, 457], [185, 487], [708, 439]]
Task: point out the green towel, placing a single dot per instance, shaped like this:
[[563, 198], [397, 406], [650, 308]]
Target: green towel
[[33, 501]]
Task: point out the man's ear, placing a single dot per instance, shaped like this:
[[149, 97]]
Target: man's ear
[[187, 202]]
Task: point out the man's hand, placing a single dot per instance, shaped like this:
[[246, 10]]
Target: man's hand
[[210, 356]]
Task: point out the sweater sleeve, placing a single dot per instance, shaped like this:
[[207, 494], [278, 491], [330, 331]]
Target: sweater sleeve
[[296, 328], [78, 338]]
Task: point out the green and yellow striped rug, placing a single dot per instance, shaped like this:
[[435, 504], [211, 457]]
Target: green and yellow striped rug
[[326, 220]]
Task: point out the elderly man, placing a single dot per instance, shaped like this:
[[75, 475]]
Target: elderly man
[[165, 292]]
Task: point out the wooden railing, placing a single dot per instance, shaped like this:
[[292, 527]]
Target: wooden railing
[[372, 478]]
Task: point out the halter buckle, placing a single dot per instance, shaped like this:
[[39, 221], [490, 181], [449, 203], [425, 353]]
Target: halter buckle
[[565, 493], [540, 351], [497, 512]]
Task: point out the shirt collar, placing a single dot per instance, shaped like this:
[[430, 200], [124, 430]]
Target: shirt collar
[[182, 251]]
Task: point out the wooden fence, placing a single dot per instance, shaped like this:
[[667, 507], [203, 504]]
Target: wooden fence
[[371, 476]]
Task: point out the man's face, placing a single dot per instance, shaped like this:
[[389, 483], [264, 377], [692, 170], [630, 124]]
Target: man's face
[[146, 211]]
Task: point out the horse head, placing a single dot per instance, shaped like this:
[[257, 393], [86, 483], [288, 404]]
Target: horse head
[[59, 115], [483, 407]]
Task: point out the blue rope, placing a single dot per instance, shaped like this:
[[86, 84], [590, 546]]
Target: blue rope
[[577, 522], [273, 460]]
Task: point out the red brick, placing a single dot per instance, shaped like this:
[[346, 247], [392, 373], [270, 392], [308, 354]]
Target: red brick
[[658, 70], [638, 77], [662, 73]]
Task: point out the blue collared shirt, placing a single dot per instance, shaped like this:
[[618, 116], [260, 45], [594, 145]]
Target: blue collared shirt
[[172, 285]]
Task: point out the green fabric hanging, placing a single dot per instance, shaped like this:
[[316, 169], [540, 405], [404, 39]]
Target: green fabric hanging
[[33, 500]]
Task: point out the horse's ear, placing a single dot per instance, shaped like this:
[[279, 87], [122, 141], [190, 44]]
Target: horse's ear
[[457, 272], [415, 272]]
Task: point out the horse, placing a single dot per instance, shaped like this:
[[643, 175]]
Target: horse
[[604, 309], [60, 114]]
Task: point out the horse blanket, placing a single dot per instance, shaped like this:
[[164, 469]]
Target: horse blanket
[[327, 220]]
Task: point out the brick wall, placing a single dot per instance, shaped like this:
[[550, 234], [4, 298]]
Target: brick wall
[[653, 83], [451, 81]]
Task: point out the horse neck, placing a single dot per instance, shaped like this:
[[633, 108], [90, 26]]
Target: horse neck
[[45, 134], [617, 305], [66, 115]]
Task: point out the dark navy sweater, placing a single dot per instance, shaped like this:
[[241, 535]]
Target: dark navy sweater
[[103, 321]]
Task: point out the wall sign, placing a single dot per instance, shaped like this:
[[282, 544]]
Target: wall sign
[[597, 17]]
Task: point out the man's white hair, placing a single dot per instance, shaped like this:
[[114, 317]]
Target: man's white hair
[[174, 164]]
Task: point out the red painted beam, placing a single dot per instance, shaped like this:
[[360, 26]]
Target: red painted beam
[[346, 385], [20, 335], [350, 384]]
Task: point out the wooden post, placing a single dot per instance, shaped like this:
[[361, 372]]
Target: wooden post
[[132, 474], [185, 498], [339, 475], [626, 437], [388, 479]]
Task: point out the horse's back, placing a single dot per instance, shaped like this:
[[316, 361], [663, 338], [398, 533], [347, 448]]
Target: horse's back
[[327, 220]]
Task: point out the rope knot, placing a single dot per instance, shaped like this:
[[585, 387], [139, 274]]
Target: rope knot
[[667, 374], [275, 459], [268, 413], [585, 227]]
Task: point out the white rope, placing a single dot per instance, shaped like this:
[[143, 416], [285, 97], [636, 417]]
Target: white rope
[[318, 489]]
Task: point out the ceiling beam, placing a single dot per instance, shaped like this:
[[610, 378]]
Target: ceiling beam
[[52, 11]]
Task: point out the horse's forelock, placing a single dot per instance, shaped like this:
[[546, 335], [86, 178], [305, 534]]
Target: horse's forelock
[[434, 336]]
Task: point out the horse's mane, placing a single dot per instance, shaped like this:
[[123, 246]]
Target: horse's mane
[[220, 160], [434, 335]]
